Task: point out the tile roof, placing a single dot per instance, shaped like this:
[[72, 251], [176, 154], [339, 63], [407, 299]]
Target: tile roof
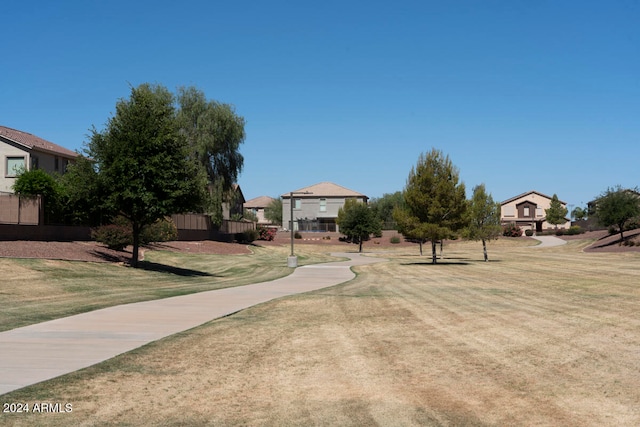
[[33, 142], [526, 194], [327, 189], [259, 202]]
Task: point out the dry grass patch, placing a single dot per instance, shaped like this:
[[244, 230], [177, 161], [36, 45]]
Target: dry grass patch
[[534, 337], [36, 290]]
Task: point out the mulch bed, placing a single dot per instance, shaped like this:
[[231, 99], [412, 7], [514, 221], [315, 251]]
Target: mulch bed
[[96, 252]]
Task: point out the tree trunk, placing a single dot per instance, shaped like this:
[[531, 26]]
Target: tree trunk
[[621, 227], [420, 247], [434, 256], [360, 245], [484, 249], [136, 245]]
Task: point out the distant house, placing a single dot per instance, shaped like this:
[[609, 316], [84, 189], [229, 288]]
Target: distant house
[[23, 151], [527, 210], [257, 206], [315, 208], [233, 205]]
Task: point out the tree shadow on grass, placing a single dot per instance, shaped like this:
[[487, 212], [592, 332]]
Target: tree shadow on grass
[[161, 268], [429, 263], [111, 256]]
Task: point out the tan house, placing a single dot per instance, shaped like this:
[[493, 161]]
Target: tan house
[[23, 151], [257, 206], [233, 205], [315, 208], [527, 210]]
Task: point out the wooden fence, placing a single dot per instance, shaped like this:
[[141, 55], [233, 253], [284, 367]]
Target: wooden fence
[[200, 227], [15, 209]]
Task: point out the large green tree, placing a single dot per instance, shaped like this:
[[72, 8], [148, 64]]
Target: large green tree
[[617, 206], [483, 218], [556, 214], [214, 133], [435, 201], [81, 193], [357, 221], [383, 207], [143, 161]]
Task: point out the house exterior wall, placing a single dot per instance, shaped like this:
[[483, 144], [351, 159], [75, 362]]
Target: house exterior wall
[[41, 160], [259, 213], [6, 179], [515, 211], [312, 208]]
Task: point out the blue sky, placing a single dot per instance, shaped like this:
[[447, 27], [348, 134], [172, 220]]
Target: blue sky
[[521, 95]]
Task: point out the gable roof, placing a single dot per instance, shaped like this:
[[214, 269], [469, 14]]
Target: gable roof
[[327, 189], [259, 202], [33, 142], [528, 193]]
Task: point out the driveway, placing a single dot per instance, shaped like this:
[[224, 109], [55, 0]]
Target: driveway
[[548, 241]]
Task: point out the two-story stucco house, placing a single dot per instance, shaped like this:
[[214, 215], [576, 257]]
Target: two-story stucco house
[[23, 151], [257, 205], [315, 208], [527, 210]]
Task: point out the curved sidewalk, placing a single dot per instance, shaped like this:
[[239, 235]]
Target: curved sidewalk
[[548, 241], [39, 352]]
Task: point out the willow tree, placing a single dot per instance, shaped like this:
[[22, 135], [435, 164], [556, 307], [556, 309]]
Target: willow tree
[[435, 201], [214, 133], [484, 218]]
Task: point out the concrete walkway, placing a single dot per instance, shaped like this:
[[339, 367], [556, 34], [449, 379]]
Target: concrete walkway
[[39, 352], [548, 241]]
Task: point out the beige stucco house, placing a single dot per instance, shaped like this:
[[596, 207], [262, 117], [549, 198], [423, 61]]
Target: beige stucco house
[[527, 210], [315, 208], [257, 205], [23, 151]]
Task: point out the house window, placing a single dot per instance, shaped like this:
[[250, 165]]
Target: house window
[[539, 212], [509, 211], [526, 211], [323, 205], [56, 162], [297, 204], [14, 166]]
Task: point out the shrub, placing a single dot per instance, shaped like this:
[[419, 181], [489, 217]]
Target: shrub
[[116, 237], [528, 232], [247, 236], [163, 230], [297, 235], [574, 229], [560, 232], [266, 233], [394, 240], [511, 230]]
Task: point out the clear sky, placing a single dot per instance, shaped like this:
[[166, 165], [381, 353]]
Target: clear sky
[[522, 95]]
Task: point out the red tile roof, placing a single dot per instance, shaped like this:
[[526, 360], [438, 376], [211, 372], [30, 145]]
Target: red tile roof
[[33, 142]]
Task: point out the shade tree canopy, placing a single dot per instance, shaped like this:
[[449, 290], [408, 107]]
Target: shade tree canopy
[[435, 201], [144, 163], [617, 206], [483, 218], [357, 221], [556, 213]]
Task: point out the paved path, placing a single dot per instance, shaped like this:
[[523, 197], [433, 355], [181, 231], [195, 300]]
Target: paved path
[[35, 353], [548, 241]]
